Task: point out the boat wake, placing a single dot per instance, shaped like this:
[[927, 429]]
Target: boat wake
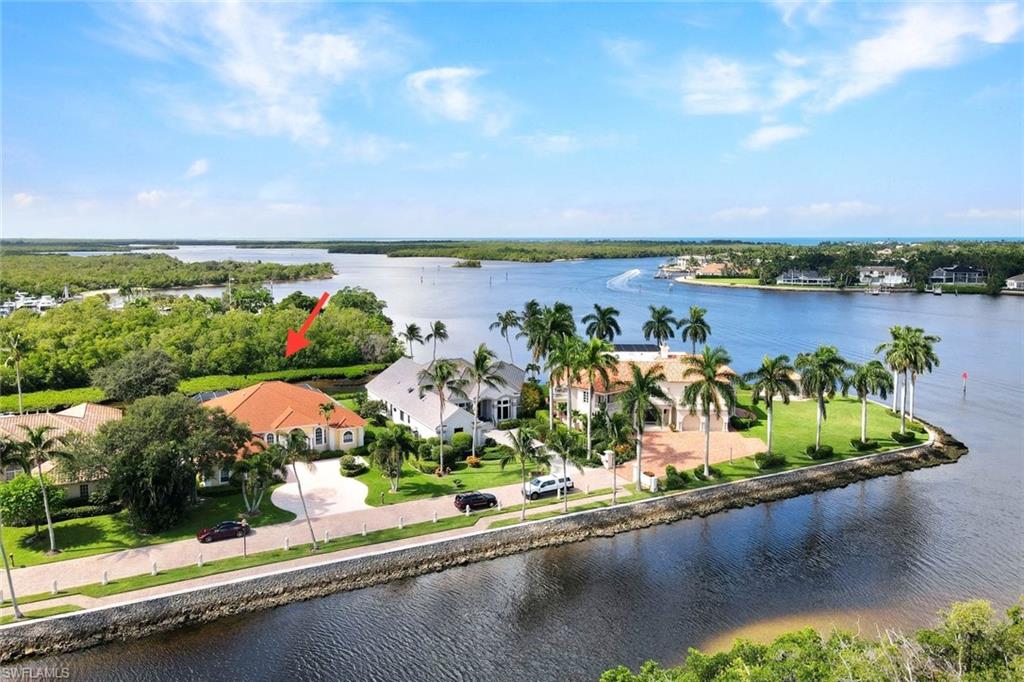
[[621, 282]]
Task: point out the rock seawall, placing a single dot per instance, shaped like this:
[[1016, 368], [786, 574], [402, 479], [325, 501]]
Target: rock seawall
[[160, 614]]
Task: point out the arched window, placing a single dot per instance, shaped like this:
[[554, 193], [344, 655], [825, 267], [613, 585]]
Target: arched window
[[270, 439], [318, 436], [348, 437]]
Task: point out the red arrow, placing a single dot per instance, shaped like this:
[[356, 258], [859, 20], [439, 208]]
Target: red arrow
[[297, 339]]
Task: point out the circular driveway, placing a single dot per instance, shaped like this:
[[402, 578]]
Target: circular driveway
[[325, 489]]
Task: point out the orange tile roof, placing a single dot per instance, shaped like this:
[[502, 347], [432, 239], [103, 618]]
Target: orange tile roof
[[673, 367], [83, 418], [278, 405]]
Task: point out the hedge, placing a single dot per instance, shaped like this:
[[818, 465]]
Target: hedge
[[769, 460], [904, 438], [37, 401]]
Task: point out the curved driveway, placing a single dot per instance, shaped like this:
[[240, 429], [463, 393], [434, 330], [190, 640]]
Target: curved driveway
[[326, 491]]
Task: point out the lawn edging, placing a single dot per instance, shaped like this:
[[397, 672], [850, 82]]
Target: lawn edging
[[144, 617]]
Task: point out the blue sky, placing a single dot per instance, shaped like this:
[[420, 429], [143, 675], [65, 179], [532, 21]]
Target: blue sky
[[675, 120]]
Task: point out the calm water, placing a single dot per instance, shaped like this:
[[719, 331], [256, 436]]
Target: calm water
[[888, 552]]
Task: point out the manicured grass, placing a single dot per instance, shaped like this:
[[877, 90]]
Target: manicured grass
[[621, 499], [416, 485], [727, 281], [36, 401], [42, 613], [111, 532]]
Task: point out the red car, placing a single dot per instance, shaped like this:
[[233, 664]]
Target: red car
[[223, 531]]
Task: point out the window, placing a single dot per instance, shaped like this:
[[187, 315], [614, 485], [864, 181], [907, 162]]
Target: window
[[586, 397], [83, 490], [225, 475], [504, 409], [459, 430], [348, 437], [270, 439], [318, 436], [401, 415]]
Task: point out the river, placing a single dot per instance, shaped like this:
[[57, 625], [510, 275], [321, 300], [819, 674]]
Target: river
[[883, 553]]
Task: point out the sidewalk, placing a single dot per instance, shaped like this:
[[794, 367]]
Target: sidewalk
[[36, 579]]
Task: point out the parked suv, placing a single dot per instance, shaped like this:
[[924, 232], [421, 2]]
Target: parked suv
[[223, 530], [475, 500], [546, 485]]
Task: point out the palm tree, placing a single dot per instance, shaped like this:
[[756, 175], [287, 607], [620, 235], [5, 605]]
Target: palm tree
[[390, 450], [506, 321], [712, 388], [297, 450], [895, 358], [603, 323], [523, 451], [562, 365], [566, 444], [38, 447], [661, 325], [326, 410], [900, 356], [821, 372], [870, 377], [412, 333], [619, 438], [544, 330], [9, 451], [533, 369], [442, 377], [774, 378], [13, 347], [438, 332], [596, 358], [922, 358], [258, 469], [483, 371], [695, 328], [641, 390]]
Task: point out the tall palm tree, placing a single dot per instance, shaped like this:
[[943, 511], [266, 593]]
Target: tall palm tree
[[438, 332], [38, 447], [14, 347], [412, 333], [619, 438], [507, 321], [899, 355], [821, 373], [390, 450], [566, 444], [711, 389], [695, 328], [257, 470], [922, 358], [443, 378], [603, 323], [596, 358], [296, 449], [641, 390], [563, 366], [544, 331], [533, 369], [870, 377], [524, 452], [661, 325], [483, 371], [773, 379], [9, 451]]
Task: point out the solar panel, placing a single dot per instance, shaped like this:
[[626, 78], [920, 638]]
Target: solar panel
[[636, 348]]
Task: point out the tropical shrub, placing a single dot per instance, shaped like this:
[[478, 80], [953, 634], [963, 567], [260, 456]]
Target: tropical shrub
[[474, 462], [531, 398], [83, 511], [427, 466], [136, 375], [824, 452], [674, 479], [741, 423], [863, 445], [350, 466], [769, 460], [460, 446], [904, 438], [509, 424], [21, 500], [698, 473]]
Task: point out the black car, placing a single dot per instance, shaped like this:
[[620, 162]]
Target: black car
[[475, 500], [223, 530]]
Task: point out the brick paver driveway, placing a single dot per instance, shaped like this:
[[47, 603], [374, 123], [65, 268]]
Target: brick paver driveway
[[685, 450]]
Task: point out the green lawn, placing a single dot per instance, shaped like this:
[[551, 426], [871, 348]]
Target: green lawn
[[416, 485], [42, 613], [727, 280], [111, 532]]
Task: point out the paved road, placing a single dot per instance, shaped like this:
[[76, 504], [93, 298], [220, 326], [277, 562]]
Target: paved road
[[36, 579]]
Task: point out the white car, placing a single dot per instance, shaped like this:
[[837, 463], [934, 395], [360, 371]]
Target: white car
[[546, 485]]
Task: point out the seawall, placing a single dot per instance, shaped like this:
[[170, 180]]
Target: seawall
[[134, 620]]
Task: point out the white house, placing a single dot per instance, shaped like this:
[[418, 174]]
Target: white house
[[804, 278], [883, 275], [1015, 283], [671, 413], [398, 387]]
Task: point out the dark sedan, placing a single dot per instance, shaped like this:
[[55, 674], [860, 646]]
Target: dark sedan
[[475, 500], [223, 531]]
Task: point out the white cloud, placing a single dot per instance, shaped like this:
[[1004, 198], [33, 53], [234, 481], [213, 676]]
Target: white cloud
[[24, 199], [198, 167], [151, 197], [551, 143], [713, 85], [371, 148], [792, 11], [787, 58], [767, 136], [273, 65], [740, 213], [451, 92], [842, 209], [988, 214]]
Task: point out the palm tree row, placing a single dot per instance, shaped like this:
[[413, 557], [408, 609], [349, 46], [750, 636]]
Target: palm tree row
[[909, 353]]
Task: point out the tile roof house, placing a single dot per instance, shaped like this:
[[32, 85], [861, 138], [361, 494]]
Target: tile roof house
[[82, 418], [398, 387]]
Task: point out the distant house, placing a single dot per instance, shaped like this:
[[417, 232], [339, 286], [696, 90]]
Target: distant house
[[958, 274], [398, 387], [805, 278], [883, 275], [274, 408], [1015, 283], [82, 418]]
